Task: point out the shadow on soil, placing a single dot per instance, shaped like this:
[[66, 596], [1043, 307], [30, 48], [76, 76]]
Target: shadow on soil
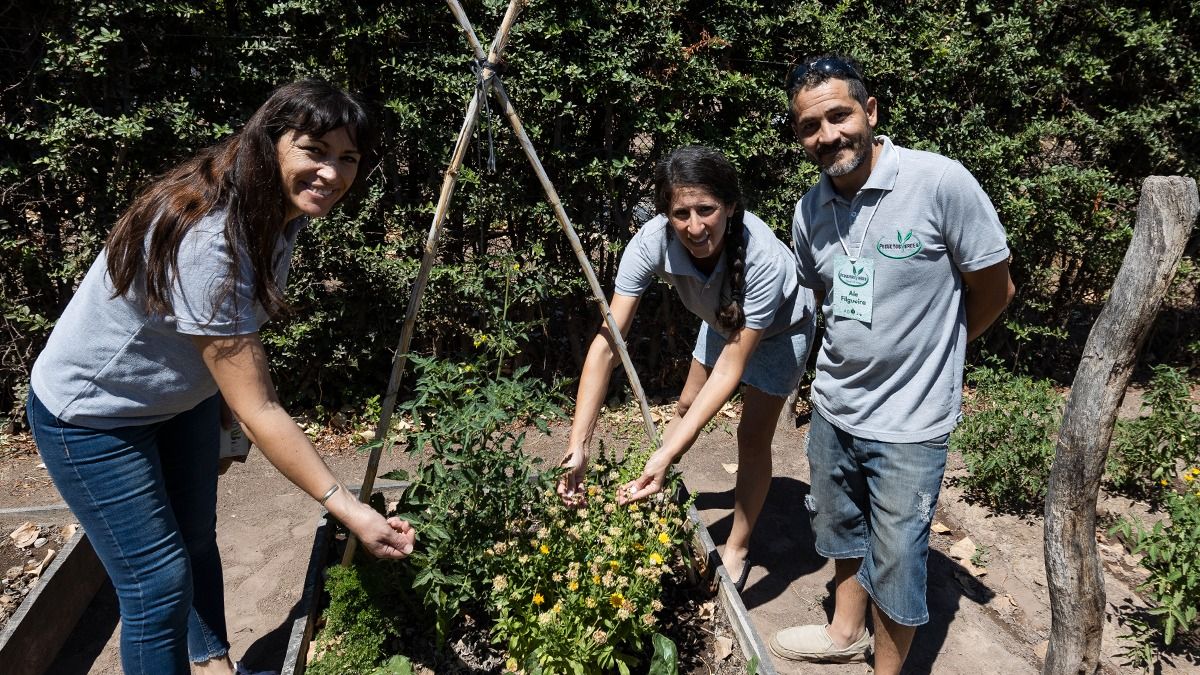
[[783, 545], [90, 635]]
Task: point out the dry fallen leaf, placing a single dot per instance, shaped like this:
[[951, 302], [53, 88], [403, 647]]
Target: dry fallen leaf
[[41, 567], [729, 468], [25, 535], [707, 611], [724, 648], [963, 550], [68, 531], [939, 528]]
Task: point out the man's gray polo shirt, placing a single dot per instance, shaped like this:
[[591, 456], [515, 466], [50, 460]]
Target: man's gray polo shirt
[[898, 378]]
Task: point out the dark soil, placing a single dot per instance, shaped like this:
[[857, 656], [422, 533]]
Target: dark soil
[[19, 566]]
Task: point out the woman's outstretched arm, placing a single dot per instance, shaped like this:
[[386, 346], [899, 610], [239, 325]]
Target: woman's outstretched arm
[[239, 366]]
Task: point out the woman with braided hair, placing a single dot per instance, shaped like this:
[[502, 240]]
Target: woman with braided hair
[[731, 271]]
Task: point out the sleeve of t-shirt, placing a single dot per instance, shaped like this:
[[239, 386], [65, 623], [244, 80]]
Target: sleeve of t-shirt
[[764, 290], [806, 264], [200, 304], [970, 226], [639, 262]]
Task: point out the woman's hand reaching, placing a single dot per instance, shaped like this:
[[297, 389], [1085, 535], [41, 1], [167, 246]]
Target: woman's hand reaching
[[381, 537], [652, 480], [570, 486]]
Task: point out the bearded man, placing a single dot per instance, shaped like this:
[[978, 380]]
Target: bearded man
[[908, 262]]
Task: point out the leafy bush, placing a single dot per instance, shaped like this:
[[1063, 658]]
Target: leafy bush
[[1171, 553], [1060, 108], [1146, 450], [563, 590], [1007, 439]]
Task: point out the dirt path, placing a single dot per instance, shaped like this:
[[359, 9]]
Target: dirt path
[[996, 623]]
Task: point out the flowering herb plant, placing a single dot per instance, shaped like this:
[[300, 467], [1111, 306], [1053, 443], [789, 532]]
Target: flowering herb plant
[[557, 589]]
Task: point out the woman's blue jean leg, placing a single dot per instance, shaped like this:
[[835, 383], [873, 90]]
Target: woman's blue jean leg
[[115, 481], [188, 446]]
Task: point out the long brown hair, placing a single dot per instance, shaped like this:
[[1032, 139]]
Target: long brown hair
[[239, 175], [707, 169]]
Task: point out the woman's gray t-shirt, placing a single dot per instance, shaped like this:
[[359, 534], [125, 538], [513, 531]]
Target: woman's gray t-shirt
[[109, 363], [774, 301]]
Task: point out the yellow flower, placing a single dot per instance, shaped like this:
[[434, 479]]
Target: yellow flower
[[517, 266], [544, 549], [596, 579], [616, 599], [662, 521], [1163, 482], [664, 539], [573, 586], [1189, 477], [614, 565], [556, 608], [655, 559], [633, 507], [538, 599], [1195, 471], [511, 665]]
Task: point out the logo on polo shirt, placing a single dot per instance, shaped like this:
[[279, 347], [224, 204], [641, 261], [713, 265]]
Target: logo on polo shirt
[[906, 246], [853, 276]]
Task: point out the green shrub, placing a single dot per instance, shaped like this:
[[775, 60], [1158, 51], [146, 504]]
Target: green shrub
[[1171, 553], [1146, 450], [1007, 439], [1060, 108]]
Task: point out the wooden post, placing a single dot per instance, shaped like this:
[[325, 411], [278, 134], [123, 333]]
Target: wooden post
[[400, 358], [1165, 216], [514, 120]]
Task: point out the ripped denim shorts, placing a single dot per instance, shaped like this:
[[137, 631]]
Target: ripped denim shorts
[[875, 500]]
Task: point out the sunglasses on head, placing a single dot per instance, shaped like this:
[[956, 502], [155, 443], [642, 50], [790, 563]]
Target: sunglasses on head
[[830, 66]]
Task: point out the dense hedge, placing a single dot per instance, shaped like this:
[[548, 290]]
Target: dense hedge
[[1059, 107]]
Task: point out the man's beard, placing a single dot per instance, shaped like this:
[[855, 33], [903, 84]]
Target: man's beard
[[860, 149]]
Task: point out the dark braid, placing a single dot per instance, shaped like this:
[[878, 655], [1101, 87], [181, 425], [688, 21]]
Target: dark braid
[[731, 316]]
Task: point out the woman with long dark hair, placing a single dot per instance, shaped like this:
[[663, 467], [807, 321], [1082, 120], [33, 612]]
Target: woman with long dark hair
[[730, 270], [125, 401]]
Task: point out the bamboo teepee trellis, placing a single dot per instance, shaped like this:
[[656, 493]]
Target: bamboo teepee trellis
[[489, 82]]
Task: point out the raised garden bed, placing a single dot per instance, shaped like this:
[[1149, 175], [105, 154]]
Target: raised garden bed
[[705, 626], [43, 621]]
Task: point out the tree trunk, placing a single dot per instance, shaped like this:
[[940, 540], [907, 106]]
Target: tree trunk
[[1165, 217]]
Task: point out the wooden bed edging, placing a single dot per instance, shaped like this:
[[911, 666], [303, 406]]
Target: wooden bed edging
[[45, 619]]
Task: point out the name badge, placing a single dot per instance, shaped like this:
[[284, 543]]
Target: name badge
[[853, 288]]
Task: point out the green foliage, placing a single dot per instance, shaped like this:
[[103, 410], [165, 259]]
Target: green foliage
[[578, 589], [1171, 553], [1146, 450], [564, 590], [1060, 108], [1007, 439]]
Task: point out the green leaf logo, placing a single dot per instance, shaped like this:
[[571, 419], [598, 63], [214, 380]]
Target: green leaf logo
[[906, 246]]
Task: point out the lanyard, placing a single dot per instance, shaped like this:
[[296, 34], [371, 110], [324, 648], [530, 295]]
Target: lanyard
[[862, 240]]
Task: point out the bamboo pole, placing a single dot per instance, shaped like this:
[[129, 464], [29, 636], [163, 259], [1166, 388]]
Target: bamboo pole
[[400, 359], [552, 195]]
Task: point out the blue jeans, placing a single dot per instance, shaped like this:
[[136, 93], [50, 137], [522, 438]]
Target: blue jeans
[[146, 496], [775, 367], [875, 500]]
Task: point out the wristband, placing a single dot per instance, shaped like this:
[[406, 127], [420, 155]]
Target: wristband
[[328, 493]]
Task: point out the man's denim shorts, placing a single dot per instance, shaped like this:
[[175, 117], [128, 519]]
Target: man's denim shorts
[[875, 500], [776, 365]]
